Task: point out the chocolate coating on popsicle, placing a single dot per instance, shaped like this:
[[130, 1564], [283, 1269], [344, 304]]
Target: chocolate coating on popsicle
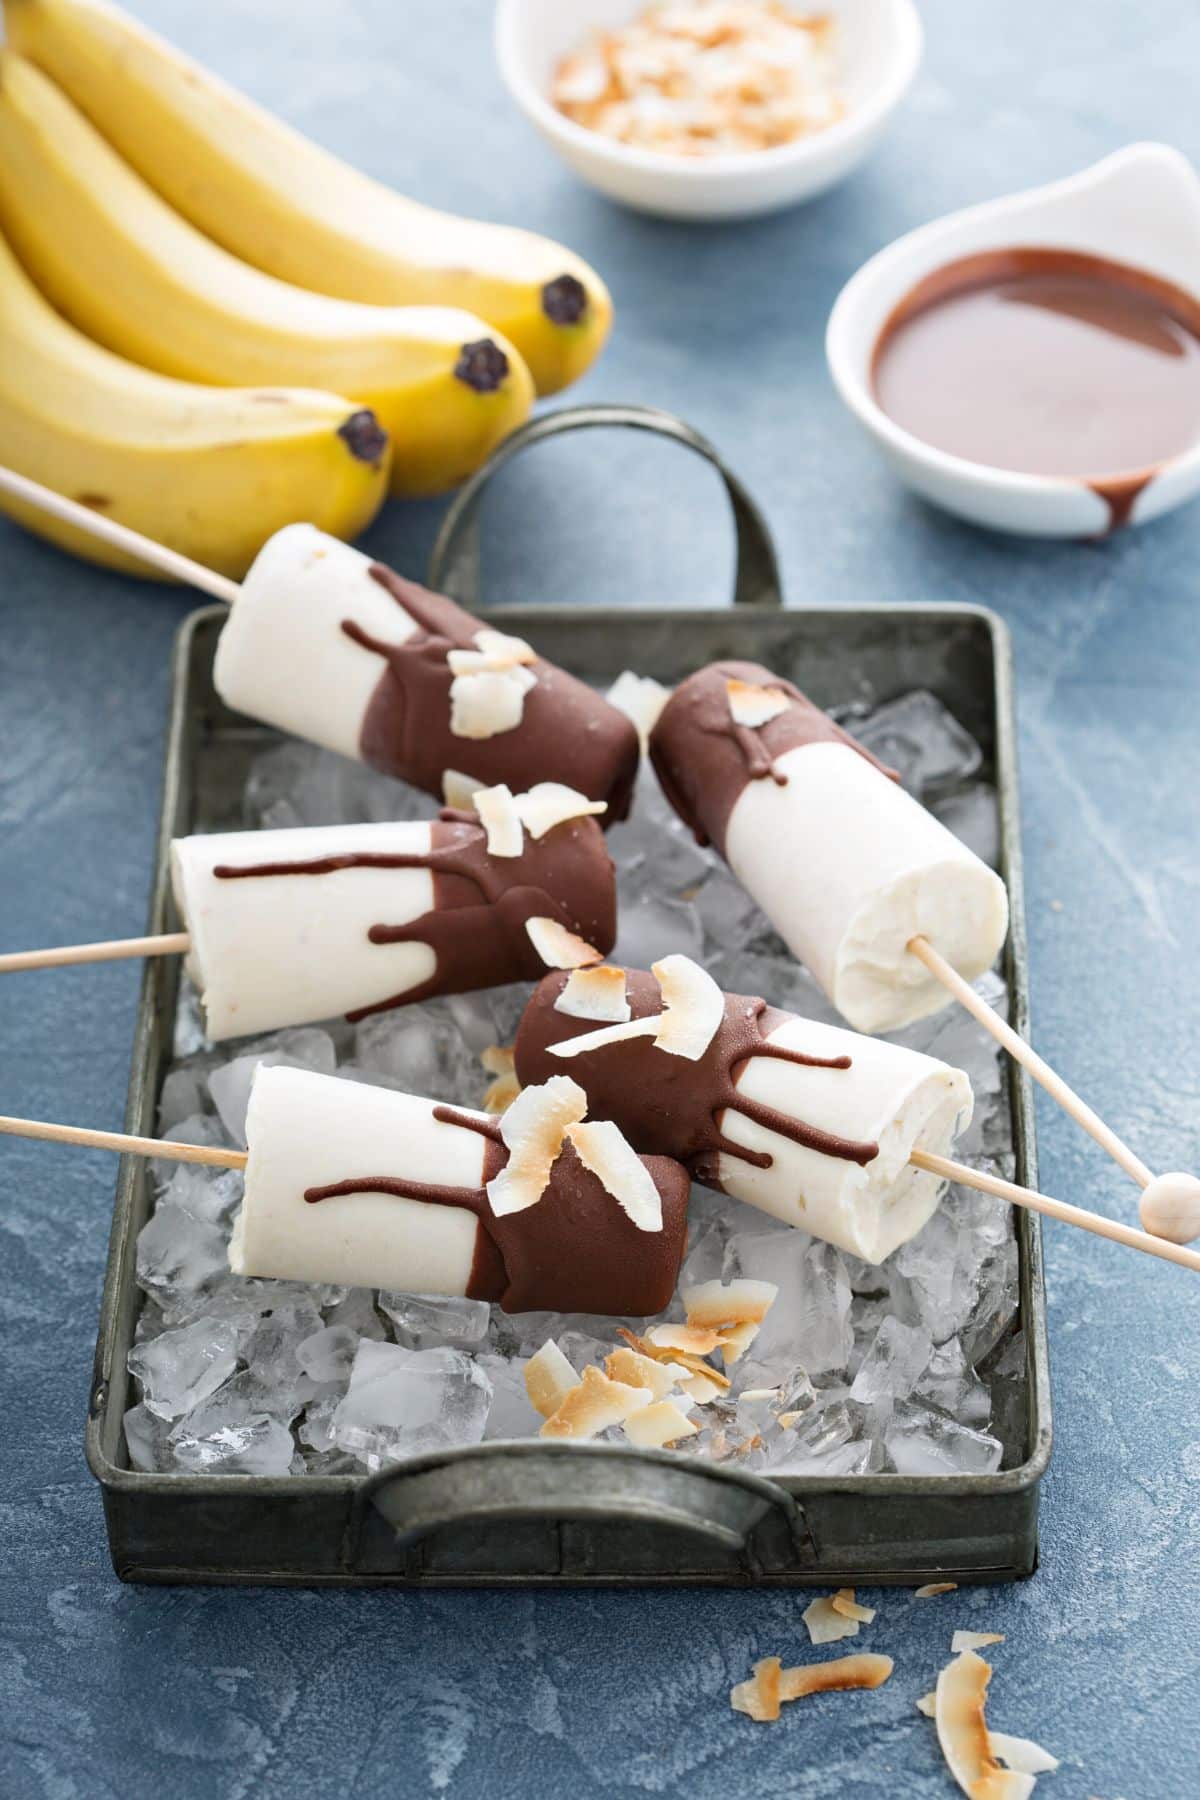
[[567, 733], [668, 1104], [704, 759], [574, 1250], [481, 902]]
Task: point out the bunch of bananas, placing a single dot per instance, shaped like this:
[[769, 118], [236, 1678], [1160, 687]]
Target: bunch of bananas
[[182, 273]]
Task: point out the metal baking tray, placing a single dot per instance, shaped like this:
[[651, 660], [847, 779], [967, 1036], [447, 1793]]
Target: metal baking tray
[[530, 1513]]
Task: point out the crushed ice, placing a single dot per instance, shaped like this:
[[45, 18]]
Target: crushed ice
[[915, 1367]]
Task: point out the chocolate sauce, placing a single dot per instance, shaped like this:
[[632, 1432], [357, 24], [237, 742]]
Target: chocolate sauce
[[574, 1250], [668, 1104], [567, 732], [1047, 362], [704, 759], [481, 903]]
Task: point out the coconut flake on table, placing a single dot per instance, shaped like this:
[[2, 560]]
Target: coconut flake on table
[[786, 1405]]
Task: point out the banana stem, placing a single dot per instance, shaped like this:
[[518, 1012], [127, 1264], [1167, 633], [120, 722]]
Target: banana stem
[[122, 537]]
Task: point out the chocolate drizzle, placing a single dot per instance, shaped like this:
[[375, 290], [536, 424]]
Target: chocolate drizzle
[[481, 903], [704, 759], [567, 732], [574, 1250], [667, 1104]]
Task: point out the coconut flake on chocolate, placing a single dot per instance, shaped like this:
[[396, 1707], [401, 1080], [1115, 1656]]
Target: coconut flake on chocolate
[[636, 1370], [825, 1624], [610, 1157], [503, 649], [843, 1602], [597, 993], [551, 803], [487, 703], [608, 1034], [694, 1007], [560, 948], [594, 1405], [751, 705], [641, 699], [549, 1378], [533, 1129], [656, 1426], [459, 790], [963, 1734], [974, 1640], [500, 819]]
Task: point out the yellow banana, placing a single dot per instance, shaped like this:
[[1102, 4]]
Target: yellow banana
[[211, 472], [281, 202], [117, 261]]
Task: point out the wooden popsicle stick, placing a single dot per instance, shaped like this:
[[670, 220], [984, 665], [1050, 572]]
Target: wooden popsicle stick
[[122, 537], [1057, 1209], [170, 943], [1029, 1059], [121, 1141]]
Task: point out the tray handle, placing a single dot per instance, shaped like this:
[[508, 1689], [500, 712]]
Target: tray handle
[[454, 564], [602, 1483]]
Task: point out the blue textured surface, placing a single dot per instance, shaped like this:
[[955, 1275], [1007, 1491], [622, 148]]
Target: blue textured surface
[[107, 1690]]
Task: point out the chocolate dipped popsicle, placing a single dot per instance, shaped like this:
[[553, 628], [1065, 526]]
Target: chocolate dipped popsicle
[[327, 644], [808, 1122], [294, 925], [537, 1211], [846, 865]]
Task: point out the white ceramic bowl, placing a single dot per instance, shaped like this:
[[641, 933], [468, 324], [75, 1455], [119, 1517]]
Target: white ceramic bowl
[[881, 50], [1140, 206]]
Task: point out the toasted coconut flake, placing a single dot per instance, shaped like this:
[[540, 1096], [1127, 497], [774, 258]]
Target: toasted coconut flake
[[499, 816], [499, 1094], [1021, 1755], [459, 790], [974, 1640], [657, 1425], [558, 947], [752, 705], [641, 699], [735, 1341], [552, 803], [695, 1341], [843, 1673], [759, 1697], [607, 1034], [825, 1624], [844, 1602], [498, 1059], [927, 1704], [597, 993], [932, 1589], [505, 649], [719, 1304], [694, 1007], [533, 1128], [594, 1405], [614, 1162], [702, 1389], [636, 1370], [692, 1364], [549, 1378], [489, 703], [963, 1733]]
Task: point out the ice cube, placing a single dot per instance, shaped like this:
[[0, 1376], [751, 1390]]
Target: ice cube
[[184, 1091], [207, 1193], [974, 817], [146, 1438], [255, 1446], [951, 1384], [775, 977], [809, 1322], [178, 1254], [304, 1047], [328, 1354], [198, 1128], [316, 1428], [182, 1366], [423, 1050], [730, 918], [919, 738], [654, 926], [188, 1038], [357, 1311], [425, 1321], [922, 1441], [891, 1368], [404, 1402], [511, 1414]]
